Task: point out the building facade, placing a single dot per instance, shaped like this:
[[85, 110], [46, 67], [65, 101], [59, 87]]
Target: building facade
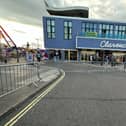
[[84, 39]]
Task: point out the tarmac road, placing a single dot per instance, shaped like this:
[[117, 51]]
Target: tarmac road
[[87, 96]]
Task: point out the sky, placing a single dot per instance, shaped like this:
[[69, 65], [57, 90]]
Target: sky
[[22, 19]]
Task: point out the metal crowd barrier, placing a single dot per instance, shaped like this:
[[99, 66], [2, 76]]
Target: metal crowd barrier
[[114, 66], [13, 77]]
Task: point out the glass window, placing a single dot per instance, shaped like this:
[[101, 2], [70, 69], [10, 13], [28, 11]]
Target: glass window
[[116, 32], [87, 25], [120, 28], [107, 32], [120, 32], [95, 26], [100, 31], [68, 30], [111, 32], [111, 27], [65, 23], [53, 23], [83, 25], [83, 30], [65, 30], [104, 26], [100, 26], [123, 34], [51, 28], [70, 36], [116, 27], [53, 35], [48, 29], [70, 24], [123, 28], [49, 35], [48, 22], [87, 30], [66, 36], [91, 25], [107, 27], [95, 30]]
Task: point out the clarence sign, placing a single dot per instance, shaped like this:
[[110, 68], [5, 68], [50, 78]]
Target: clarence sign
[[108, 44], [99, 43]]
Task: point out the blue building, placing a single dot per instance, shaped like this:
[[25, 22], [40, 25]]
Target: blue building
[[79, 38]]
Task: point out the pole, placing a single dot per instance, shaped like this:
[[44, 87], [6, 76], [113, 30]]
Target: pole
[[17, 56], [103, 57]]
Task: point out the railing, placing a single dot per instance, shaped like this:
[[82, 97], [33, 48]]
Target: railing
[[114, 66], [100, 35], [13, 77]]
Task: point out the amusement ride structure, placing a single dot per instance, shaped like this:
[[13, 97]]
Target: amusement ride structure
[[9, 42]]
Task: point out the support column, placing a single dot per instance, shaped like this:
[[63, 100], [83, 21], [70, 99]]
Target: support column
[[68, 55], [62, 55], [79, 55]]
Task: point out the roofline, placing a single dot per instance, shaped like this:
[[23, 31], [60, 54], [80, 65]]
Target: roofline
[[48, 7], [68, 8], [87, 19]]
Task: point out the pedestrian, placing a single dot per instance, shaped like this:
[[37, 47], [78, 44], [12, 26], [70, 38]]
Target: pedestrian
[[38, 56], [29, 57], [5, 61]]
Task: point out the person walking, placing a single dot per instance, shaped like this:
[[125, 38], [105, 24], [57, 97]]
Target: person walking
[[38, 56]]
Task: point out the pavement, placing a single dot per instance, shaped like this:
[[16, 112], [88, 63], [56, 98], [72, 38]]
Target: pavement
[[10, 102]]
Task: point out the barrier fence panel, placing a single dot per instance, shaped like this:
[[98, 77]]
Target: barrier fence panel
[[109, 66], [13, 77]]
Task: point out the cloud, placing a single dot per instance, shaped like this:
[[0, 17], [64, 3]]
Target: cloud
[[24, 11], [109, 10], [101, 9], [31, 11]]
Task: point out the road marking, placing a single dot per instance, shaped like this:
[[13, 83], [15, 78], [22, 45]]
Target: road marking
[[12, 121]]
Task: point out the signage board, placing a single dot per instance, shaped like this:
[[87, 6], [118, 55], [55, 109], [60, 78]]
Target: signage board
[[91, 34], [100, 43]]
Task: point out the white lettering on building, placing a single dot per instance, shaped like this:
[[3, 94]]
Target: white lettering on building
[[107, 44]]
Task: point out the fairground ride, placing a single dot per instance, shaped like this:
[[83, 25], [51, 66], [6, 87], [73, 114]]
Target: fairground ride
[[10, 43]]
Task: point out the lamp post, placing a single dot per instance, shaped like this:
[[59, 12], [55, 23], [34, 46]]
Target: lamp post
[[37, 42]]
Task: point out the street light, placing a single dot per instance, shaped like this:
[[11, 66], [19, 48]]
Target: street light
[[37, 42]]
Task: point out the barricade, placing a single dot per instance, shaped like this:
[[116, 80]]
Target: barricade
[[13, 77]]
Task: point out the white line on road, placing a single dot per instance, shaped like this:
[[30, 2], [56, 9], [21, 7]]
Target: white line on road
[[12, 121]]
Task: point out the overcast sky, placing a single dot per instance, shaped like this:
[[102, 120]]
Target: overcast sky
[[30, 12]]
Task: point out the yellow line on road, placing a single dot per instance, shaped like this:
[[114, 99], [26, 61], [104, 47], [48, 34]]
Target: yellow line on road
[[12, 121]]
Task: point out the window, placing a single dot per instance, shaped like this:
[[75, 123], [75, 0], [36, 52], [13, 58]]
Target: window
[[67, 30], [83, 28], [120, 31], [51, 29], [107, 27], [88, 27], [111, 27], [106, 30], [116, 27], [100, 26]]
